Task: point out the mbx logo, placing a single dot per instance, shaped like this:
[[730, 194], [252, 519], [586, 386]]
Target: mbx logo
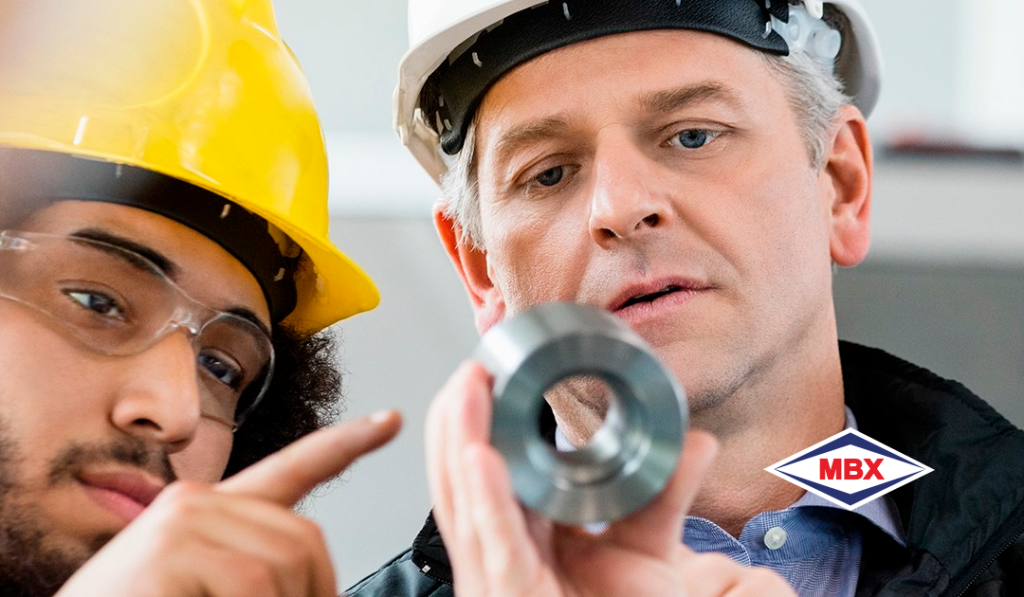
[[833, 469], [849, 469]]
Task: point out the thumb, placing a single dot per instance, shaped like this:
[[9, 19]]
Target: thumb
[[657, 529], [285, 476]]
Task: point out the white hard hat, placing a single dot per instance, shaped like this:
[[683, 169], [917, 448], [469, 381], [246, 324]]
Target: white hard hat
[[458, 48]]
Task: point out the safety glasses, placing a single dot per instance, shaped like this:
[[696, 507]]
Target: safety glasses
[[114, 301]]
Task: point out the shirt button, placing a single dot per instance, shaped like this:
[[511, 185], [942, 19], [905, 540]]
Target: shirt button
[[775, 538]]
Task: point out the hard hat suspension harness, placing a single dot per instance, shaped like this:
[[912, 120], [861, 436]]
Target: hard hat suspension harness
[[453, 92], [35, 178]]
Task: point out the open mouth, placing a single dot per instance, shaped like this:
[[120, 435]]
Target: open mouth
[[651, 297]]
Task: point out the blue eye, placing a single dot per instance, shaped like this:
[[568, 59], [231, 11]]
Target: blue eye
[[551, 176], [694, 138], [222, 369], [100, 304]]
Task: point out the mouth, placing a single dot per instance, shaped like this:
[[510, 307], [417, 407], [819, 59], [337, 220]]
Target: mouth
[[126, 494], [651, 297], [645, 294]]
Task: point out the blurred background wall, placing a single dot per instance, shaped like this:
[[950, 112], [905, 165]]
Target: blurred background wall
[[943, 286]]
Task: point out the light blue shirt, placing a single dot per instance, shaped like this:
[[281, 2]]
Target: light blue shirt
[[814, 544]]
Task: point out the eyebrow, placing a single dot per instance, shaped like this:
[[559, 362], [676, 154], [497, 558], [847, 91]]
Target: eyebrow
[[249, 315], [109, 241], [660, 102], [671, 100], [170, 269], [525, 135]]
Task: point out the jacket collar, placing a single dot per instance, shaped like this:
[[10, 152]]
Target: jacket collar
[[972, 506]]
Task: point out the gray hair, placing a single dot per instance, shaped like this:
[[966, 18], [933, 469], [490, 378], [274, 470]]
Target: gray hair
[[814, 93]]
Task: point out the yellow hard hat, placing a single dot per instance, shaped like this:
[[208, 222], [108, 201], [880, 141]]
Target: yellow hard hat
[[202, 92]]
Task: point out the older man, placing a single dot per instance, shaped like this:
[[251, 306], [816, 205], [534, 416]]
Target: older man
[[164, 267], [697, 168]]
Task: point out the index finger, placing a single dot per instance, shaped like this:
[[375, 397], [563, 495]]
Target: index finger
[[285, 476]]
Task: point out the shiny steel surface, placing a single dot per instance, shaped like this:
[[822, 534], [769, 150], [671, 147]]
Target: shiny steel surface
[[630, 458]]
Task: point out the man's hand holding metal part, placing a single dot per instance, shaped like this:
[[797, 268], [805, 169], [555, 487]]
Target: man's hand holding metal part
[[499, 549]]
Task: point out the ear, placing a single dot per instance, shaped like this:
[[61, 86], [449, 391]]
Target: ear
[[847, 174], [471, 265]]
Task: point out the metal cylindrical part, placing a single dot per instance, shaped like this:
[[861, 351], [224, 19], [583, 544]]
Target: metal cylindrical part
[[629, 459]]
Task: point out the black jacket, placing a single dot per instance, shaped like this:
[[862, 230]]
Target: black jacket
[[964, 522]]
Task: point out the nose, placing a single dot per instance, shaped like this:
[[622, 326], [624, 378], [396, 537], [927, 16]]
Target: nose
[[626, 200], [158, 398]]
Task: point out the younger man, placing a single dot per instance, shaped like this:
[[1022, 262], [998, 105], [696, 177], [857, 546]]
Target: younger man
[[164, 266]]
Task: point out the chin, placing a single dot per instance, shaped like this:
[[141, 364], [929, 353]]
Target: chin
[[705, 376]]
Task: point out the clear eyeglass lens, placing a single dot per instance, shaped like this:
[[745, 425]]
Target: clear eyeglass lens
[[235, 359], [118, 303]]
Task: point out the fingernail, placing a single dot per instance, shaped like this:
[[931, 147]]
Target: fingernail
[[380, 416]]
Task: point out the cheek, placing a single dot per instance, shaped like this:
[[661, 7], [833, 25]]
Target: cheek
[[800, 232], [785, 246], [36, 406], [534, 256], [45, 382], [26, 452], [205, 459], [776, 220]]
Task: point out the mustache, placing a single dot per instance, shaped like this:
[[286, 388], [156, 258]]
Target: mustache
[[129, 450]]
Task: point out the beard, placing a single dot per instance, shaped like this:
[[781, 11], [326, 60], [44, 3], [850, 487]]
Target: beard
[[30, 564]]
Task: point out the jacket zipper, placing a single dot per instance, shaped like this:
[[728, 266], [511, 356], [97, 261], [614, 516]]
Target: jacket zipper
[[427, 571], [1017, 534]]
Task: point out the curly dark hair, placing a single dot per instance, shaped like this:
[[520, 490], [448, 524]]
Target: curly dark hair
[[304, 395]]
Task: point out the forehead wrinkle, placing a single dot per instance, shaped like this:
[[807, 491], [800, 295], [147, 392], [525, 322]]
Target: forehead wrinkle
[[672, 100]]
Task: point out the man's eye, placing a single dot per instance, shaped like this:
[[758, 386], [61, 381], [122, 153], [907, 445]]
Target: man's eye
[[551, 176], [694, 138], [222, 369], [100, 304]]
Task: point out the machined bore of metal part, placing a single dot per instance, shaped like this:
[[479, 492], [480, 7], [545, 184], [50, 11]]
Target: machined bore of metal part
[[629, 459]]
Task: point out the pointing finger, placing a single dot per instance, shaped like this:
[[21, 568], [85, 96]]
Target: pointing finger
[[285, 476]]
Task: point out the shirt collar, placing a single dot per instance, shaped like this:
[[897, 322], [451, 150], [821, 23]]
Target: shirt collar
[[880, 512]]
